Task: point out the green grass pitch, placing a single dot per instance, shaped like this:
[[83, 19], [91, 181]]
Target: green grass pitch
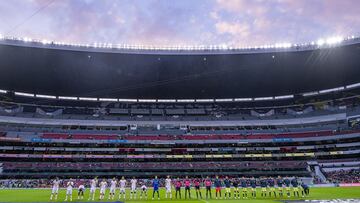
[[42, 195]]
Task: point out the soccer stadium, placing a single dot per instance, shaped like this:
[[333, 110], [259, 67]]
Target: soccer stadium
[[106, 122]]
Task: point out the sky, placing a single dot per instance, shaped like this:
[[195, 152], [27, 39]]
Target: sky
[[180, 22]]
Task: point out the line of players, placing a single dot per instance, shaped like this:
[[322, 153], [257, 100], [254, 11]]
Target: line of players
[[270, 187]]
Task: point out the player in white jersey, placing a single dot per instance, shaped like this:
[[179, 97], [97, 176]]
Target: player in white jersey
[[81, 190], [113, 184], [93, 184], [103, 186], [168, 187], [143, 190], [133, 182], [69, 190], [55, 189], [122, 187]]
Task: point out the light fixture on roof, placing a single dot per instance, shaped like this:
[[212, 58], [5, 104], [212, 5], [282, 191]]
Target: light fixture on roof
[[282, 45], [328, 41], [320, 42], [26, 39], [334, 40], [224, 46], [44, 41], [287, 45]]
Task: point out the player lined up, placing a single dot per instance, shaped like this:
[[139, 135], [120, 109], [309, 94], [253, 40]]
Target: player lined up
[[235, 188]]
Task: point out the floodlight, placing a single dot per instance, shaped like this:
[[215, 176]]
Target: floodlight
[[287, 45], [26, 39], [320, 42], [44, 41], [334, 40]]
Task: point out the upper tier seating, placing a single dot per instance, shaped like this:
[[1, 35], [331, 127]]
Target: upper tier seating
[[79, 136], [153, 165], [194, 137]]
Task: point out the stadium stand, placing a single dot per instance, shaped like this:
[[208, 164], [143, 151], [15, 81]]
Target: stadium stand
[[312, 131]]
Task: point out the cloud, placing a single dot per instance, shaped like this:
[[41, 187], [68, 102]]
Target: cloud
[[214, 15], [296, 21], [185, 22], [250, 7], [233, 28]]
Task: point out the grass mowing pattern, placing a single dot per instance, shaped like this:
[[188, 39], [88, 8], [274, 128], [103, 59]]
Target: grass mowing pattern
[[43, 195]]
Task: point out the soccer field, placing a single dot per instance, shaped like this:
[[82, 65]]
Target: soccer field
[[42, 195]]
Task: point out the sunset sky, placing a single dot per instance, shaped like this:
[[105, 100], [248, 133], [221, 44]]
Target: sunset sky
[[180, 22]]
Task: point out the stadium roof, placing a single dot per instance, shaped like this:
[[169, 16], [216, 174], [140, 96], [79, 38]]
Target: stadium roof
[[71, 71]]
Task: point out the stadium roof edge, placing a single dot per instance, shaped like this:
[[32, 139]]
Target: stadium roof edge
[[264, 98], [178, 50]]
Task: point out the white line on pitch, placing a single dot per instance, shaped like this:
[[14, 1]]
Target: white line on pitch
[[204, 201]]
